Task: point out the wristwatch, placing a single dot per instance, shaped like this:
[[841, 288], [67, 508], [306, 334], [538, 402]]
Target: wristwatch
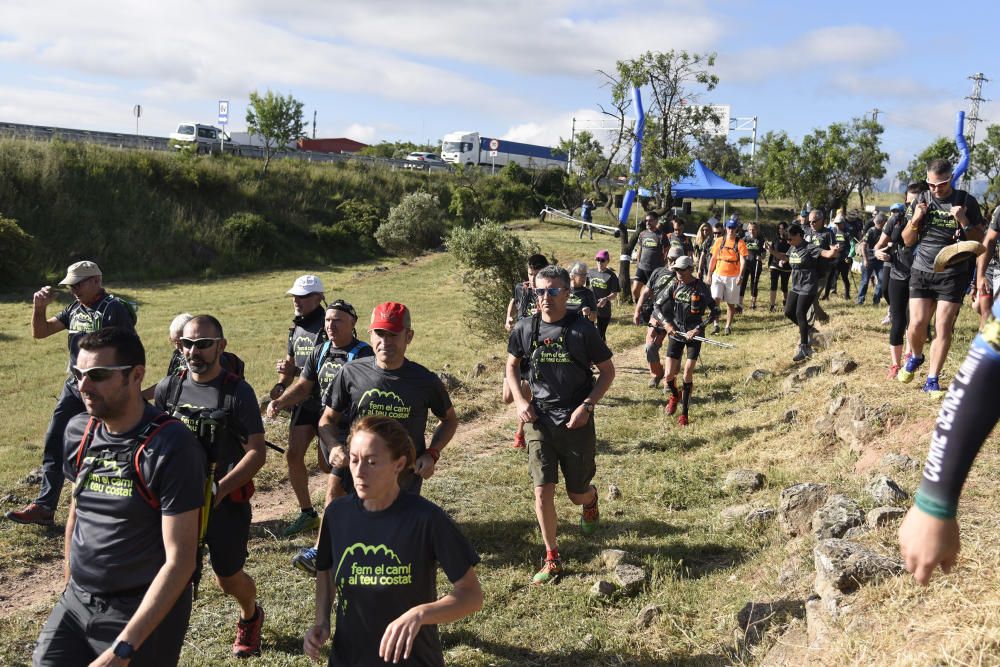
[[588, 406], [122, 649]]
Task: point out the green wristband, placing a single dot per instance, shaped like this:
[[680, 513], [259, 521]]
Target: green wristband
[[935, 508]]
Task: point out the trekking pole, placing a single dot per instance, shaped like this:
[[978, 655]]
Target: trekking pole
[[700, 339]]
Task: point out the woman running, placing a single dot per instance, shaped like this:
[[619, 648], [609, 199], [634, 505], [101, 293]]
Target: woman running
[[780, 271]]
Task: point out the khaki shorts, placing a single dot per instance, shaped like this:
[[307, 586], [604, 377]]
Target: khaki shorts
[[553, 447], [726, 289]]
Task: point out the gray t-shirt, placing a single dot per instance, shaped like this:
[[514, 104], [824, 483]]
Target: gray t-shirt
[[117, 539], [939, 229], [560, 376], [604, 283], [805, 261], [650, 246], [324, 371], [406, 394]]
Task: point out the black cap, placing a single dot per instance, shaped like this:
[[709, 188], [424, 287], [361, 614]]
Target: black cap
[[343, 306]]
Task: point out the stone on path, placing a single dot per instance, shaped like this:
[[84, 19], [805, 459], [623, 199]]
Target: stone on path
[[886, 492], [797, 504], [843, 567], [630, 578], [602, 589], [837, 515], [743, 480], [880, 516]]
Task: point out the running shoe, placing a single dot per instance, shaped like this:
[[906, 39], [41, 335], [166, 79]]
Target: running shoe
[[654, 381], [887, 320], [715, 329], [671, 406], [909, 368], [589, 518], [247, 642], [33, 513], [893, 371], [804, 353], [550, 572], [303, 522], [770, 308], [682, 420], [305, 560], [933, 389], [519, 442], [739, 309], [729, 330]]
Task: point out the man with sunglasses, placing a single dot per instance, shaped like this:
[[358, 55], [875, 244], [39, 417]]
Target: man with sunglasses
[[304, 336], [132, 528], [941, 217], [341, 347], [682, 309], [240, 452], [558, 419], [92, 309]]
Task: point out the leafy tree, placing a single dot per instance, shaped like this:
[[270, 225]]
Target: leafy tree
[[277, 120], [942, 148], [397, 149], [867, 163], [414, 225], [589, 166], [986, 163], [780, 168], [721, 156]]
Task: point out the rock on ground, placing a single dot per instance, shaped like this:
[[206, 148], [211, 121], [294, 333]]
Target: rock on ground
[[886, 492], [758, 375], [478, 369], [883, 515], [614, 493], [837, 515], [797, 504], [759, 517], [602, 589], [843, 567], [612, 558], [451, 383], [790, 416], [743, 480], [842, 364], [630, 578], [900, 462], [648, 615], [735, 513]]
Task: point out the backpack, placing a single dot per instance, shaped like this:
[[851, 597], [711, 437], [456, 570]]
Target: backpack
[[536, 322], [130, 306], [352, 354], [226, 404], [130, 458]]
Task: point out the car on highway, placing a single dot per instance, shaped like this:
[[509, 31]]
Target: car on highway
[[423, 160], [201, 139]]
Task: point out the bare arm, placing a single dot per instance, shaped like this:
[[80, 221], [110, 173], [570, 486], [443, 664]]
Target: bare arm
[[42, 327], [68, 538], [319, 633], [581, 414], [243, 472], [464, 599], [911, 232], [525, 411], [509, 321], [326, 431], [445, 431], [294, 395], [643, 295], [990, 241], [286, 375]]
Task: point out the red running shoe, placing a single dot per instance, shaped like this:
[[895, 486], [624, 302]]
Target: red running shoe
[[892, 373], [519, 442], [682, 420], [247, 642], [671, 406], [33, 513]]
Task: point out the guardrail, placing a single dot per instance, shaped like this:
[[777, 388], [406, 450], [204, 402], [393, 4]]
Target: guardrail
[[146, 142]]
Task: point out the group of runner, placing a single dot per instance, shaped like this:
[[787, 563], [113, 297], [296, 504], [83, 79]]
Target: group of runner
[[155, 484]]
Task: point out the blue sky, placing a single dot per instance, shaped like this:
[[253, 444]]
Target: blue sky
[[517, 69]]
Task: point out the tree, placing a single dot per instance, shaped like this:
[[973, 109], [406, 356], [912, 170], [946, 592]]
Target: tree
[[397, 149], [780, 168], [867, 163], [986, 163], [277, 120], [942, 148], [721, 156]]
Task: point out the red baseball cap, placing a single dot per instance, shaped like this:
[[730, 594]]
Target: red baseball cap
[[390, 316]]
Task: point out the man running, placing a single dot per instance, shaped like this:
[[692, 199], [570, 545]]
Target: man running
[[682, 308], [559, 420], [729, 256], [340, 347], [780, 271], [239, 453], [659, 279], [941, 216], [650, 248], [929, 535], [304, 336], [677, 240], [606, 286], [522, 305], [817, 234], [132, 530], [92, 310]]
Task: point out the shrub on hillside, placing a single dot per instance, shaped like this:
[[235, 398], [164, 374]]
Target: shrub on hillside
[[415, 225], [15, 251], [494, 260], [246, 236]]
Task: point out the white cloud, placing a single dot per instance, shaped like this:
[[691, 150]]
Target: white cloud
[[548, 131], [856, 45], [900, 87], [363, 133], [935, 117]]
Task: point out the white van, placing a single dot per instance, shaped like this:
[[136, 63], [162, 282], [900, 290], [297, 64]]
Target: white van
[[204, 138]]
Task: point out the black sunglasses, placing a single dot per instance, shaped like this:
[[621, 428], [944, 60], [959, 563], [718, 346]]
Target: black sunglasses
[[200, 343], [96, 373], [550, 291]]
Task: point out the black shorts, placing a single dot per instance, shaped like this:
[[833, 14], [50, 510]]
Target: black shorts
[[675, 348], [227, 536], [949, 286], [307, 413], [642, 275]]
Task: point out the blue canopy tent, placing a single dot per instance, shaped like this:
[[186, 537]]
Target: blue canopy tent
[[703, 183]]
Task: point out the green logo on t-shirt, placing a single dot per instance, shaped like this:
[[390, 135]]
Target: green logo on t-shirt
[[380, 403], [384, 568]]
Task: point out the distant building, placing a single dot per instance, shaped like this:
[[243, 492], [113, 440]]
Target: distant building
[[338, 145]]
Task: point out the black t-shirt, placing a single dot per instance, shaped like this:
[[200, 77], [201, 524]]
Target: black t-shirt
[[525, 304], [196, 398], [782, 246], [939, 228], [560, 376], [680, 242], [406, 394], [383, 564], [805, 261], [307, 333], [650, 246], [328, 368], [604, 283], [755, 247], [842, 240], [580, 298], [80, 320], [871, 238], [685, 305], [117, 539]]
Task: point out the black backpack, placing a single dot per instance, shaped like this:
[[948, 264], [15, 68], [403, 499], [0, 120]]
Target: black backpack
[[568, 321]]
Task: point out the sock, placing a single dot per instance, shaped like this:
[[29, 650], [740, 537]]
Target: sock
[[593, 504], [552, 554], [686, 397], [256, 613], [672, 386]]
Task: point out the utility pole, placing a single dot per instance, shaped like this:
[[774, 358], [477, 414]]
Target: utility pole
[[314, 123], [972, 119], [875, 114], [572, 140]]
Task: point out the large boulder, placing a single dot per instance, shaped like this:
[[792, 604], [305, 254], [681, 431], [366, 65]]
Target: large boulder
[[746, 481], [837, 515], [886, 492], [797, 504], [843, 567]]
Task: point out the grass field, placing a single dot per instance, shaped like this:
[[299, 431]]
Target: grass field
[[701, 570]]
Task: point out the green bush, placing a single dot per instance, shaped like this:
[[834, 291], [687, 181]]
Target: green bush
[[15, 251], [494, 260], [415, 225]]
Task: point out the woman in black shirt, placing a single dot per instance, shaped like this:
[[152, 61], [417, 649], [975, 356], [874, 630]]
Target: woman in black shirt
[[780, 270]]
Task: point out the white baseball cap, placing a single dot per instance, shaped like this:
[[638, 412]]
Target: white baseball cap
[[80, 271], [306, 285]]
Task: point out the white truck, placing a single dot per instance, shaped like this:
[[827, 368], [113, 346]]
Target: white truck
[[471, 149]]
